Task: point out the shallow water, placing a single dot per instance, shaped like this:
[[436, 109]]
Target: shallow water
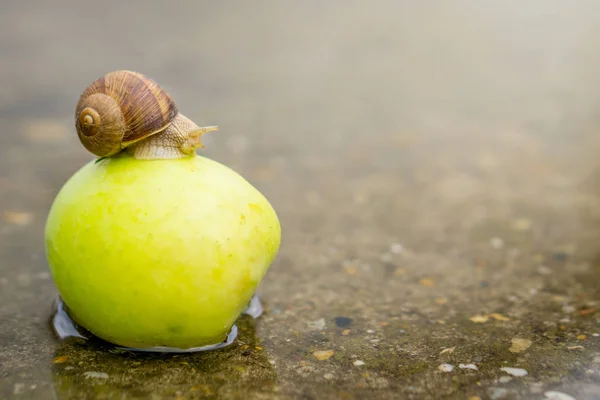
[[434, 166], [65, 329]]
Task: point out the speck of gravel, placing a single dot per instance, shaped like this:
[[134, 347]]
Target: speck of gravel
[[446, 367], [95, 374], [514, 371], [519, 345], [343, 322], [496, 243], [543, 270], [568, 309], [317, 325], [396, 248], [554, 395]]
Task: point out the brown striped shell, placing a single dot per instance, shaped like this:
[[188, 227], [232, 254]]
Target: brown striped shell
[[120, 108]]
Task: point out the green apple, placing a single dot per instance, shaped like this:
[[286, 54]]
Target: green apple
[[169, 253]]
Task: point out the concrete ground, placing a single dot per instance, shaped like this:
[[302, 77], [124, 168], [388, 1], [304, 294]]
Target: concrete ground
[[433, 164]]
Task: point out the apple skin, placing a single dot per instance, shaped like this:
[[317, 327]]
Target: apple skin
[[159, 253]]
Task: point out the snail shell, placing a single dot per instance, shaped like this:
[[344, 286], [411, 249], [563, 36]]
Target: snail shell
[[119, 109]]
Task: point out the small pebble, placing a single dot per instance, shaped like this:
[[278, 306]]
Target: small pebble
[[543, 270], [20, 218], [587, 311], [568, 309], [95, 374], [318, 325], [18, 388], [554, 395], [496, 243], [358, 363], [446, 367], [441, 300], [328, 376], [499, 317], [504, 379], [448, 350], [370, 331], [396, 248], [514, 371], [351, 269], [468, 366], [560, 256], [519, 345], [323, 355], [479, 319], [60, 359], [343, 322], [427, 282]]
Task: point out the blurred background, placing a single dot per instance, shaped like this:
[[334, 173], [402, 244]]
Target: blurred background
[[430, 161]]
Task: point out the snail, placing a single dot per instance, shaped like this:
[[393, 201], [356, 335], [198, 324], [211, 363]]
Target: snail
[[127, 110], [151, 246]]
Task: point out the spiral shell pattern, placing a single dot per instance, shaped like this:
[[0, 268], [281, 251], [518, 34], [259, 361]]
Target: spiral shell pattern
[[119, 109]]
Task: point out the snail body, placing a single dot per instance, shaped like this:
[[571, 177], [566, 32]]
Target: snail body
[[151, 245]]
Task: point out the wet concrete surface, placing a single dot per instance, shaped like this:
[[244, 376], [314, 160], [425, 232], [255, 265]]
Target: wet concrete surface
[[434, 167]]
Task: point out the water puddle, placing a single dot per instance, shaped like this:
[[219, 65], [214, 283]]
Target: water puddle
[[65, 328]]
